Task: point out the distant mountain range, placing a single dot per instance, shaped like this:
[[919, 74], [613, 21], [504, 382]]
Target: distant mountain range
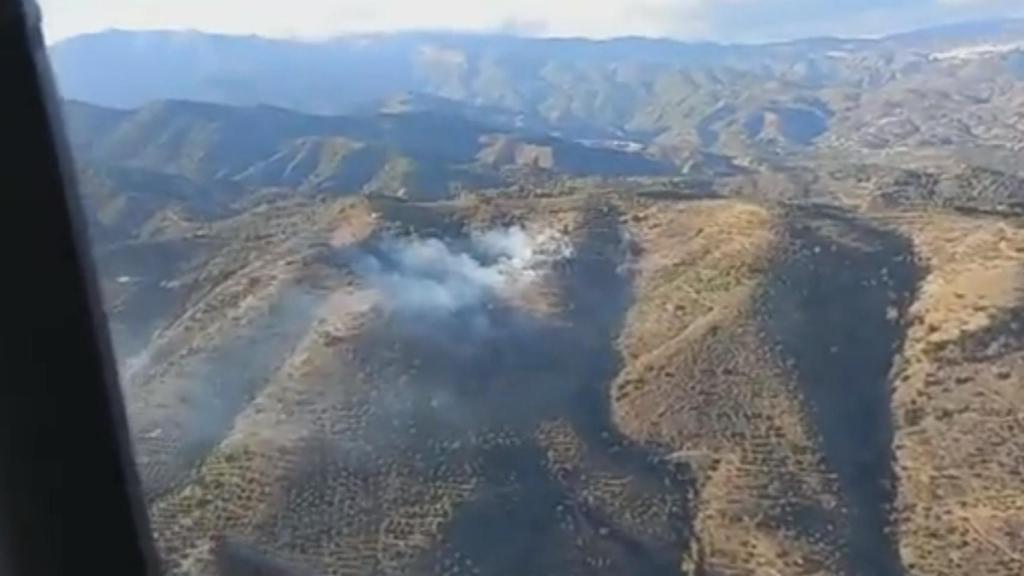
[[425, 152], [936, 89], [425, 116], [205, 157]]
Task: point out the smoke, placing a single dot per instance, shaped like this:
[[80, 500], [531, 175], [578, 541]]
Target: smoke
[[434, 276]]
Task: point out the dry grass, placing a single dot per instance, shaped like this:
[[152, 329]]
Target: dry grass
[[701, 381], [958, 404], [704, 382]]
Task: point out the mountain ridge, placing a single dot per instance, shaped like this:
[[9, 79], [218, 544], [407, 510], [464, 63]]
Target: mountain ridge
[[249, 149], [956, 28], [911, 91]]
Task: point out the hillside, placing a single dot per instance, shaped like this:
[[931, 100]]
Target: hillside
[[730, 416], [397, 153], [562, 307]]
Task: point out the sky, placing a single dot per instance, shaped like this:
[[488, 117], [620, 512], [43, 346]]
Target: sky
[[724, 20]]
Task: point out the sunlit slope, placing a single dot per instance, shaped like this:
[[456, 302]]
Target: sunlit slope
[[587, 384], [440, 413], [957, 401], [758, 352]]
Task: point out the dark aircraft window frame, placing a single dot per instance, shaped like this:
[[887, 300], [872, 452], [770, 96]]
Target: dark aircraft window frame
[[70, 498]]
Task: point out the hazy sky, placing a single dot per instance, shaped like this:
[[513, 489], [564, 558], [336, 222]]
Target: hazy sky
[[704, 19]]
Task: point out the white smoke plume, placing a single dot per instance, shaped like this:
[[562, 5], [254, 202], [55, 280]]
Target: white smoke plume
[[428, 275]]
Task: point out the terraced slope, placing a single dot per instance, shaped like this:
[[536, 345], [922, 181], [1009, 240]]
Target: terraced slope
[[958, 401], [762, 359], [587, 384], [389, 438]]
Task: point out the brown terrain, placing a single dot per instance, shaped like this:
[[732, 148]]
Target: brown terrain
[[568, 307], [712, 386], [957, 401], [377, 445]]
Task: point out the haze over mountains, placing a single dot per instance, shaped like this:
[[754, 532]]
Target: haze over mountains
[[471, 304], [676, 94]]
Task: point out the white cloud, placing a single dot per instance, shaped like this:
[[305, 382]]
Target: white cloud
[[319, 18], [730, 19]]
